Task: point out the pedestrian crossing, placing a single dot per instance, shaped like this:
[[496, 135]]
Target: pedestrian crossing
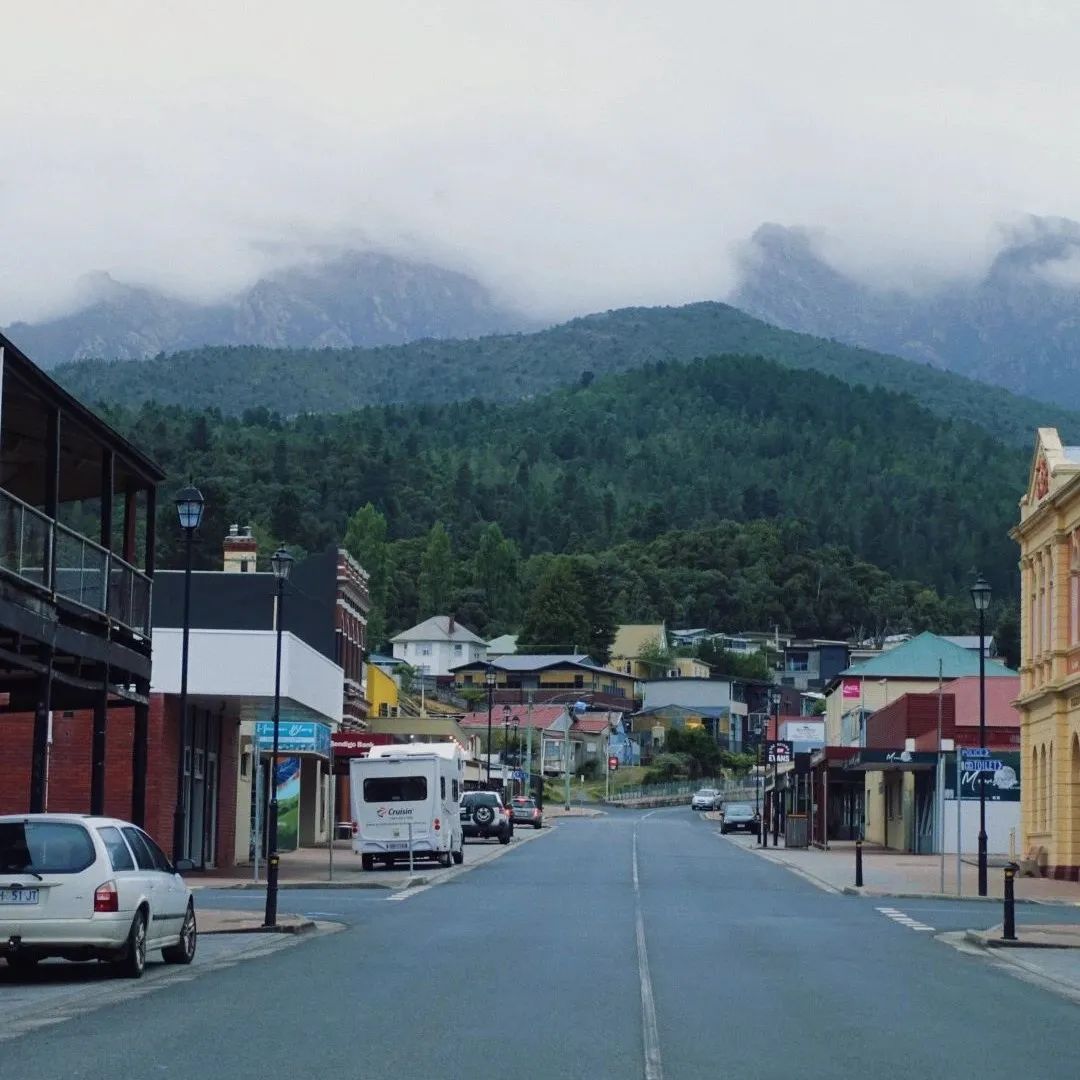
[[898, 916]]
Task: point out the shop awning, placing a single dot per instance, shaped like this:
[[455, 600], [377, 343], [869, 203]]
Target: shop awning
[[891, 761]]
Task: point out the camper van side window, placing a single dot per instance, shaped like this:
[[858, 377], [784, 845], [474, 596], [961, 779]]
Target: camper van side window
[[454, 790], [442, 788]]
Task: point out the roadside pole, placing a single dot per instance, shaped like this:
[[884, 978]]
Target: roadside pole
[[528, 743], [258, 814], [332, 818], [959, 835], [939, 813]]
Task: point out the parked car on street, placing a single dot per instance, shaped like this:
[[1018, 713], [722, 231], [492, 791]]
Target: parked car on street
[[90, 888], [706, 798], [524, 811], [740, 817], [483, 815]]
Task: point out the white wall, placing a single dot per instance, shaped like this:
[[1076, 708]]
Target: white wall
[[440, 656], [241, 663], [1000, 818]]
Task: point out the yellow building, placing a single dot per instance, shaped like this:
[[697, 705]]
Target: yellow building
[[1049, 702], [631, 640], [382, 692], [690, 667]]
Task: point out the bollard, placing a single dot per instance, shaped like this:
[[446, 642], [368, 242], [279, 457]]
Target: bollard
[[858, 864], [1009, 928]]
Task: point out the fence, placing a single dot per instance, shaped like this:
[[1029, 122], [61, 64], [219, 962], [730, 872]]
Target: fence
[[730, 790]]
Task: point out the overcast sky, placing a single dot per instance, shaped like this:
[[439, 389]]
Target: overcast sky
[[574, 155]]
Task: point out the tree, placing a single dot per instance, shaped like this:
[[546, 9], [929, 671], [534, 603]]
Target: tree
[[556, 620], [496, 575], [365, 541], [436, 572]]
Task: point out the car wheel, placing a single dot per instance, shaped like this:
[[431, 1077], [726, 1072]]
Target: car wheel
[[484, 815], [540, 824], [367, 862], [183, 952], [504, 837], [132, 963], [459, 855], [445, 858]]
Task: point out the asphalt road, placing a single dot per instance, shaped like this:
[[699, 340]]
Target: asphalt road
[[550, 963]]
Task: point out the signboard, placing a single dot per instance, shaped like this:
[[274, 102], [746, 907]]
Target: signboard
[[1000, 770], [350, 744], [518, 775], [780, 753], [305, 737], [851, 688], [803, 731], [612, 763]]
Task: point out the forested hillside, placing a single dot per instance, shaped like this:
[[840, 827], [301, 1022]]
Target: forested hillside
[[511, 367], [620, 465]]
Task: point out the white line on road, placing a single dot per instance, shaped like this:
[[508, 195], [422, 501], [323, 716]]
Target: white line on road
[[903, 919], [649, 1031]]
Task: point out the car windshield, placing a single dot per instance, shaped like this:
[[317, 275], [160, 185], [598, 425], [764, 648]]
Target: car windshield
[[736, 809], [480, 798], [44, 847], [707, 791], [525, 803]]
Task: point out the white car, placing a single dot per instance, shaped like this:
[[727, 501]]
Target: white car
[[90, 888], [706, 799]]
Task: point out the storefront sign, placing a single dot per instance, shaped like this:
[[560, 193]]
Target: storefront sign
[[350, 744], [302, 737], [780, 753], [1000, 772], [851, 688]]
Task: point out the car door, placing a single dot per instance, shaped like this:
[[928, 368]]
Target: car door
[[148, 881], [173, 893], [129, 878]]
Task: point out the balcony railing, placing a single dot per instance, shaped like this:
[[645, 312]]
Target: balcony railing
[[82, 571]]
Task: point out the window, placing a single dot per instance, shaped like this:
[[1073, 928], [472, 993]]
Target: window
[[395, 789], [798, 661], [425, 650], [138, 846], [44, 847], [442, 788], [455, 790], [161, 861], [457, 650], [119, 855]]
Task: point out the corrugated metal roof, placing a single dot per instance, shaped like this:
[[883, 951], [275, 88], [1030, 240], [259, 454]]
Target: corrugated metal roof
[[437, 628], [918, 659]]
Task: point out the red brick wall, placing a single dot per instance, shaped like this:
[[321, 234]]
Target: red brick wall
[[69, 768]]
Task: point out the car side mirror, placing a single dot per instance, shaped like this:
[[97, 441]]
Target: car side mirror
[[183, 866]]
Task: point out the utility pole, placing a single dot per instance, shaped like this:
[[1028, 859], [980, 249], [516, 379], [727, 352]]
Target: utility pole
[[528, 742]]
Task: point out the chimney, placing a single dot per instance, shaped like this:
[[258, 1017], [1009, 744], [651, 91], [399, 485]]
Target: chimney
[[240, 551], [451, 625]]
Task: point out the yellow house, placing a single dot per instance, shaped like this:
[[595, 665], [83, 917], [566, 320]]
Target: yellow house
[[382, 692], [1049, 702], [690, 667], [631, 640], [547, 675]]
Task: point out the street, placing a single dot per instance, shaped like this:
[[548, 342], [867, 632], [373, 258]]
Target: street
[[552, 963]]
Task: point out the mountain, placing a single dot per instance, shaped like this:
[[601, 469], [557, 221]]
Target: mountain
[[510, 367], [352, 299], [629, 457], [1016, 326]]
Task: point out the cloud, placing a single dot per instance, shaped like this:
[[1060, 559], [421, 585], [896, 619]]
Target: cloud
[[574, 155]]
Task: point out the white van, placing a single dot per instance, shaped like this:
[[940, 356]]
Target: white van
[[412, 784]]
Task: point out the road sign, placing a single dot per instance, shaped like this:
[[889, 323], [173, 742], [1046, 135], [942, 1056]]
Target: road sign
[[981, 765], [974, 751], [612, 763], [518, 774]]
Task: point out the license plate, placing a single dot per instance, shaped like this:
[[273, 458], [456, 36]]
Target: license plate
[[398, 845], [18, 896]]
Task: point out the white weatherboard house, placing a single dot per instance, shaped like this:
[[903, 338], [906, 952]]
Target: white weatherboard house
[[438, 644]]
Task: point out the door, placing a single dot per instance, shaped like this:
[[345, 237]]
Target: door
[[170, 890], [210, 801], [148, 882]]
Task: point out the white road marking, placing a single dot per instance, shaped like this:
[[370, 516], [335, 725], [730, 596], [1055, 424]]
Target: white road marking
[[650, 1033], [900, 917]]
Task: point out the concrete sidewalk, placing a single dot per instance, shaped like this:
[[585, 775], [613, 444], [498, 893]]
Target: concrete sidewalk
[[894, 874], [212, 921]]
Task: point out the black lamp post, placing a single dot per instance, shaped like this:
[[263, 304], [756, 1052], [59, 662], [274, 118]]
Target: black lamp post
[[980, 597], [489, 682], [775, 816], [281, 562], [189, 508]]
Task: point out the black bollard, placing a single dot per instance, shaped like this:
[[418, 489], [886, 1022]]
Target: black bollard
[[858, 864], [1009, 928]]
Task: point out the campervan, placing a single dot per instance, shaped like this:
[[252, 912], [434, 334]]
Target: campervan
[[408, 793]]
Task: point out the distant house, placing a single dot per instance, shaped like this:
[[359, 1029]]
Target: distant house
[[543, 677], [689, 638], [504, 645], [813, 664], [971, 641], [631, 642], [438, 645]]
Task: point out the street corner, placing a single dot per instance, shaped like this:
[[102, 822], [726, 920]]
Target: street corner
[[1038, 936], [213, 921]]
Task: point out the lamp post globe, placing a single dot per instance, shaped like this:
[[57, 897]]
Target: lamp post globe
[[189, 504], [980, 598]]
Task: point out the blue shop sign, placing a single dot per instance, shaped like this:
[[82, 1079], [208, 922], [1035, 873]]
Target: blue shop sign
[[294, 737]]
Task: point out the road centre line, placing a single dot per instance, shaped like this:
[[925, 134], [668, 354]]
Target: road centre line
[[650, 1033]]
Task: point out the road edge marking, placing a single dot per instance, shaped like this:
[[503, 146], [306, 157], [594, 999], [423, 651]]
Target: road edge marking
[[650, 1032]]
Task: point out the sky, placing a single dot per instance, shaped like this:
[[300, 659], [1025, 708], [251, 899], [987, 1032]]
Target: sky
[[575, 156]]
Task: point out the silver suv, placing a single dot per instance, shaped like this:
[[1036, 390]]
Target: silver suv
[[483, 814]]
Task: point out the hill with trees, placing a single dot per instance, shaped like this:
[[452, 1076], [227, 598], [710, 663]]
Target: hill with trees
[[515, 366]]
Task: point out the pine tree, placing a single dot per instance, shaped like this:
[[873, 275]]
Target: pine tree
[[436, 572], [365, 541], [556, 620]]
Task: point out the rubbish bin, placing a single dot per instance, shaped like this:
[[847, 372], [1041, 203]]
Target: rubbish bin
[[796, 833]]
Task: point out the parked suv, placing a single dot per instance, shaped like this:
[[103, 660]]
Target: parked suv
[[524, 811], [706, 798], [483, 815]]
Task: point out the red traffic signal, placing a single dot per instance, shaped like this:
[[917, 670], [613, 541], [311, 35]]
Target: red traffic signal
[[612, 763]]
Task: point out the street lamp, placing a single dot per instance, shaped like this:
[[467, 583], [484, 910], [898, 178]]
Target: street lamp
[[189, 508], [506, 742], [980, 597], [281, 563], [775, 816], [489, 681], [515, 723]]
